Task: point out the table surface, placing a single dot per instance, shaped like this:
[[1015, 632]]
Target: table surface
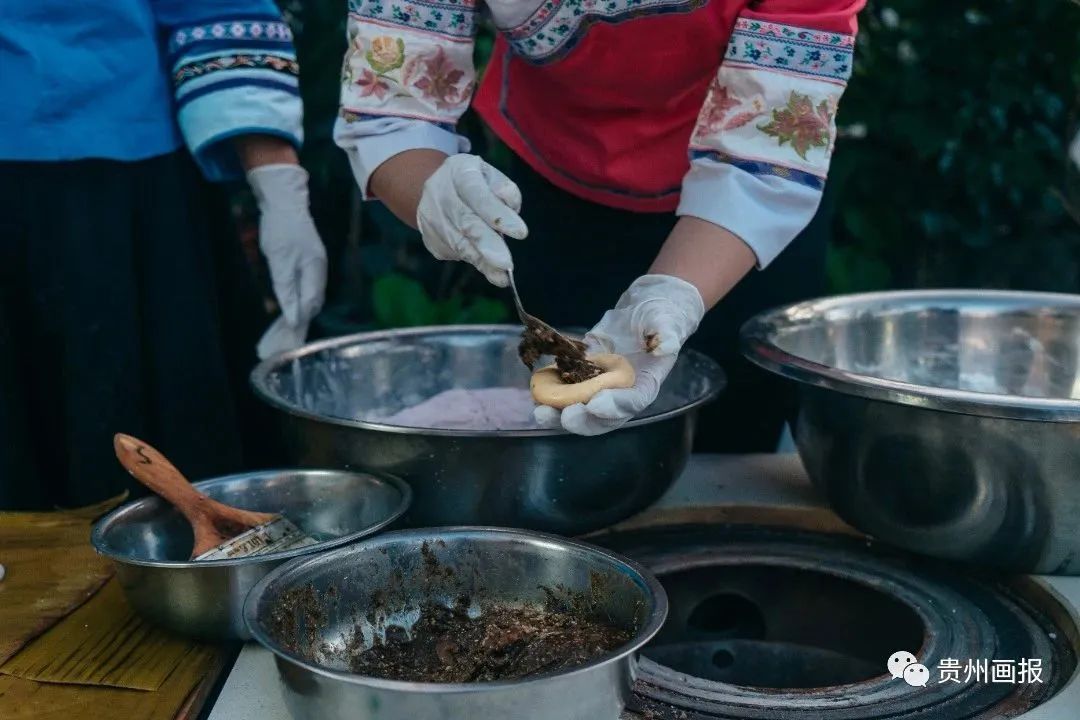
[[769, 482]]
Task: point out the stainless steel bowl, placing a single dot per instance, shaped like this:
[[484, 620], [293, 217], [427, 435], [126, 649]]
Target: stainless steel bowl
[[945, 422], [388, 577], [537, 479], [150, 543]]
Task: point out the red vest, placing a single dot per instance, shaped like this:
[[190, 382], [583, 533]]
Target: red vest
[[603, 107]]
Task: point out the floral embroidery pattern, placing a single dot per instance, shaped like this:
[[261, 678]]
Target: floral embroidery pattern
[[437, 80], [230, 31], [455, 18], [372, 84], [201, 68], [775, 124], [790, 32], [716, 107], [757, 109], [801, 124], [392, 72], [716, 117], [798, 50], [386, 54], [557, 25]]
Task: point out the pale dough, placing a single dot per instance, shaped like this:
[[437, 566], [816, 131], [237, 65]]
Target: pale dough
[[505, 408], [549, 389]]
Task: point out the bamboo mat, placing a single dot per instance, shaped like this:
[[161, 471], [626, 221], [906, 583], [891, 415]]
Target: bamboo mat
[[180, 697], [51, 570], [102, 643], [70, 645]]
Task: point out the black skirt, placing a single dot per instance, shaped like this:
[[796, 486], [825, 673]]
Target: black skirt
[[110, 321], [580, 257]]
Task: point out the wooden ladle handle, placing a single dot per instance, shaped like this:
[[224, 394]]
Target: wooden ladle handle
[[153, 470], [212, 522]]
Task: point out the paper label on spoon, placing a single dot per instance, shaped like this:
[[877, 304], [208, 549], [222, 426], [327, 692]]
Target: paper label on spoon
[[272, 537]]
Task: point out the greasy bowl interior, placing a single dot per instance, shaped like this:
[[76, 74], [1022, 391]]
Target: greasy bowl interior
[[1000, 354], [333, 507], [361, 379], [311, 610]]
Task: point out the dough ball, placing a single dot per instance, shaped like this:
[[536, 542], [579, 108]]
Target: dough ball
[[549, 389]]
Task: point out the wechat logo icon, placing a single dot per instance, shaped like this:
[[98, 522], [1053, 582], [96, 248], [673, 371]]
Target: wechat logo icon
[[902, 664]]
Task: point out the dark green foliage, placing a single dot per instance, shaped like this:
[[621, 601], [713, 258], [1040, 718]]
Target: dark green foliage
[[400, 301], [961, 176]]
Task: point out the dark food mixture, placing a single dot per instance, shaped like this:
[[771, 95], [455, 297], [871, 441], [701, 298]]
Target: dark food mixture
[[296, 620], [504, 643], [540, 339]]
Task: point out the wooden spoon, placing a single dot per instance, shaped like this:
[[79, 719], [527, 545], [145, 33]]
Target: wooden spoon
[[214, 523]]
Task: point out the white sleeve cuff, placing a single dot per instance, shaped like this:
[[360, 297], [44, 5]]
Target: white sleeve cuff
[[765, 211], [234, 77], [210, 120], [369, 142]]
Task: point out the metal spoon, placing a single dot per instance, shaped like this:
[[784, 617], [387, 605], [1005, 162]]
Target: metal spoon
[[524, 316], [531, 322], [535, 326], [540, 337]]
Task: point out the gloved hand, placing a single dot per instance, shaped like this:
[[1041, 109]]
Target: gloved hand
[[280, 337], [1074, 150], [465, 209], [648, 327], [293, 250]]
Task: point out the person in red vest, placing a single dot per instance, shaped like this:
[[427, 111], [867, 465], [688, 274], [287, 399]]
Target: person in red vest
[[663, 149]]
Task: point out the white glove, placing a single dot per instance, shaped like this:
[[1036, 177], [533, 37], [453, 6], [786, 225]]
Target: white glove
[[648, 327], [293, 250], [280, 337], [465, 209], [1074, 150]]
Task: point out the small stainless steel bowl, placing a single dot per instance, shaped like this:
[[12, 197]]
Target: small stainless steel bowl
[[150, 543], [547, 480], [486, 564], [943, 421]]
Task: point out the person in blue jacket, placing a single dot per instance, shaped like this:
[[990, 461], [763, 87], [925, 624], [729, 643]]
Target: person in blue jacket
[[108, 317]]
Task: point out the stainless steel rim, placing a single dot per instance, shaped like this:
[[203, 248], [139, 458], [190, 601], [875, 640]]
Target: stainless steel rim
[[759, 349], [657, 614], [261, 372], [97, 535]]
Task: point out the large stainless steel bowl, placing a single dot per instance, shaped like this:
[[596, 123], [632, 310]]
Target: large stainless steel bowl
[[945, 422], [150, 543], [387, 579], [537, 479]]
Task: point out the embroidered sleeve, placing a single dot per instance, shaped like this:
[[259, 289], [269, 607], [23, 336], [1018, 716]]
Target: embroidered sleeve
[[407, 78], [761, 148], [234, 72]]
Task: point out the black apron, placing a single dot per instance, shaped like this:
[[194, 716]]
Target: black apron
[[112, 285], [580, 257]]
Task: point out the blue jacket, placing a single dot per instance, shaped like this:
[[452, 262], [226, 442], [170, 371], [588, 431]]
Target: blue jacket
[[131, 79]]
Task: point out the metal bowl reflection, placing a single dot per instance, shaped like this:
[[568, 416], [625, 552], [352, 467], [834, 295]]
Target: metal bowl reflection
[[150, 543], [538, 479], [946, 422]]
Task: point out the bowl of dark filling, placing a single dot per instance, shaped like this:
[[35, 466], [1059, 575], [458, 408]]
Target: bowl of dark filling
[[458, 623]]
